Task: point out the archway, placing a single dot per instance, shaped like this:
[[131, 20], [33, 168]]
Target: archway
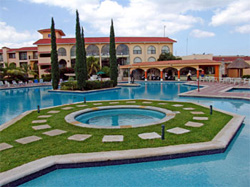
[[122, 52], [139, 74], [153, 74], [62, 64], [92, 50], [170, 73], [184, 72]]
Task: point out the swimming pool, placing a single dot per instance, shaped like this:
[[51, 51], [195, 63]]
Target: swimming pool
[[231, 168], [241, 90]]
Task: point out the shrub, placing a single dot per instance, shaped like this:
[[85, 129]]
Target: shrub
[[46, 78], [91, 85], [70, 85], [246, 76]]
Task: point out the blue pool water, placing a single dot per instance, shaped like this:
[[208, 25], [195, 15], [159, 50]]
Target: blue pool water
[[241, 90], [118, 117], [231, 168]]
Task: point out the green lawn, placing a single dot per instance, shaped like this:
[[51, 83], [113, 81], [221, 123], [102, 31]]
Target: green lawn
[[21, 154]]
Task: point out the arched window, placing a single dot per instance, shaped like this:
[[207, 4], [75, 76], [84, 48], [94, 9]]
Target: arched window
[[92, 50], [73, 51], [151, 50], [137, 60], [137, 50], [62, 52], [165, 49], [122, 49], [62, 63], [151, 59], [105, 50]]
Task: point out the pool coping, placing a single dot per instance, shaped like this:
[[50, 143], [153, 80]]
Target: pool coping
[[70, 118], [45, 165], [84, 91]]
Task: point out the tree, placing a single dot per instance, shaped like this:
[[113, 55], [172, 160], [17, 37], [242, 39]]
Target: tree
[[167, 56], [112, 52], [92, 65], [80, 66], [55, 74], [26, 68]]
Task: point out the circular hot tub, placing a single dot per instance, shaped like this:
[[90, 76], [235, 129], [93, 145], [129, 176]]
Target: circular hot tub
[[120, 116]]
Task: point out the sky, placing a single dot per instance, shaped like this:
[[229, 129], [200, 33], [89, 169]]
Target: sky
[[218, 27]]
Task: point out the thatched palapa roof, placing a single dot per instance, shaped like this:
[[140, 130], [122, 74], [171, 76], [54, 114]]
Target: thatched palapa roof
[[238, 64]]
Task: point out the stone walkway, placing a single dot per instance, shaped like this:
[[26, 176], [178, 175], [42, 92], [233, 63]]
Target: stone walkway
[[215, 89]]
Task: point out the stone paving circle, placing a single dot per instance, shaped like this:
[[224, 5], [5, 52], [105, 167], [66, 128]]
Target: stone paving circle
[[112, 138], [146, 102], [79, 137], [53, 111], [130, 102], [113, 102], [67, 108], [54, 132], [193, 124], [28, 139], [177, 105], [40, 121], [40, 127], [188, 108], [44, 116], [150, 135], [197, 112], [200, 118], [178, 130], [4, 146], [81, 105], [97, 104]]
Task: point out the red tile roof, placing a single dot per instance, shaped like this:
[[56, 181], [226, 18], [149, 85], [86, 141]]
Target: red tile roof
[[230, 58], [22, 49], [174, 62], [48, 30], [106, 40]]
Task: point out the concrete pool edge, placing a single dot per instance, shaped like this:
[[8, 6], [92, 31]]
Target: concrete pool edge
[[45, 165]]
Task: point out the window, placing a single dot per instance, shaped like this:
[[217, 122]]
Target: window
[[137, 60], [35, 55], [73, 51], [151, 50], [12, 55], [165, 49], [49, 35], [122, 49], [137, 50], [45, 55], [23, 56], [45, 66], [1, 57], [92, 50], [105, 50], [151, 59], [62, 52]]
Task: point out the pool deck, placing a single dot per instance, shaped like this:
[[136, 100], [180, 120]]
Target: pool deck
[[42, 166], [217, 90]]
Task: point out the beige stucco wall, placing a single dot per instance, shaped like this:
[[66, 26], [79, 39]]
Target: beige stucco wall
[[198, 56]]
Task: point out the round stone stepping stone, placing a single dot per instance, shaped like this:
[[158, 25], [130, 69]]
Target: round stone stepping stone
[[193, 124], [150, 135], [112, 138], [146, 102], [176, 112], [40, 121], [40, 127], [177, 105], [131, 102], [54, 132], [200, 118], [44, 116], [79, 137], [178, 130], [81, 105], [113, 102], [4, 146], [162, 103], [67, 108], [188, 108], [197, 112], [97, 104], [28, 139], [53, 111]]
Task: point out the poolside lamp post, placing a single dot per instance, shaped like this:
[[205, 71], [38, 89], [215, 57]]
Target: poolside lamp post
[[163, 132], [38, 109], [211, 109]]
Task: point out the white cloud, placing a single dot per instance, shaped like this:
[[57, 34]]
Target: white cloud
[[235, 13], [245, 29], [201, 34], [11, 38], [5, 8]]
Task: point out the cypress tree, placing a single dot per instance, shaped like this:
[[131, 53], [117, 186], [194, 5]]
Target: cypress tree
[[79, 67], [55, 74], [84, 64], [112, 52]]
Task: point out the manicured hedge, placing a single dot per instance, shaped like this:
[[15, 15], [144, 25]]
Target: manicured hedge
[[90, 85], [246, 76]]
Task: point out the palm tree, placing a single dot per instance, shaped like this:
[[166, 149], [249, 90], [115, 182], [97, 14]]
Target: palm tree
[[92, 65], [26, 69]]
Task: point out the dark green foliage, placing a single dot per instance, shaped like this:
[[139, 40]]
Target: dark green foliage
[[80, 66], [90, 85], [112, 52], [168, 56], [106, 70], [46, 77], [55, 74], [70, 85], [246, 76]]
